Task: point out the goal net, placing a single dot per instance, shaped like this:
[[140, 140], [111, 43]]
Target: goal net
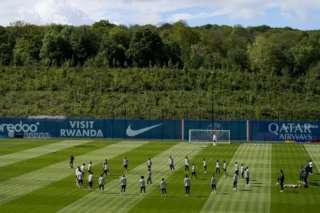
[[209, 136]]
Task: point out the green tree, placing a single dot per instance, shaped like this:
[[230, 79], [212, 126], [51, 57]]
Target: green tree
[[273, 53], [5, 47], [305, 52], [111, 54], [146, 48], [237, 43], [121, 36], [27, 51], [84, 44], [55, 49]]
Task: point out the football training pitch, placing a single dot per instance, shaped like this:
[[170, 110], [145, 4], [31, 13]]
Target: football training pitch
[[35, 177]]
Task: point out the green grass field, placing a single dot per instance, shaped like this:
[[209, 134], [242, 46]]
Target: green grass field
[[35, 177]]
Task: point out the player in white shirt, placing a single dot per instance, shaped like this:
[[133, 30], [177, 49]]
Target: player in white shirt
[[105, 167], [149, 163], [163, 187], [218, 167], [214, 139], [213, 183], [187, 184], [89, 166], [90, 179], [142, 185], [236, 168], [193, 171], [205, 165], [149, 179], [186, 164], [171, 163], [80, 178], [247, 175], [242, 170], [310, 167], [82, 167], [225, 168], [125, 163], [77, 171], [101, 182], [123, 183]]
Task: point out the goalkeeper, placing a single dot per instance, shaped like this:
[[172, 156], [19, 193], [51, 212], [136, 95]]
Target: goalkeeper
[[214, 139]]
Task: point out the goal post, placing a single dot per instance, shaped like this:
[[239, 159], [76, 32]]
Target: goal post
[[209, 136]]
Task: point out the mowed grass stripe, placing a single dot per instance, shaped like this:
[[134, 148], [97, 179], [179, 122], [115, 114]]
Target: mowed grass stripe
[[222, 185], [42, 161], [8, 146], [61, 193], [290, 158], [24, 184], [111, 201], [314, 153], [38, 151], [253, 198], [176, 201]]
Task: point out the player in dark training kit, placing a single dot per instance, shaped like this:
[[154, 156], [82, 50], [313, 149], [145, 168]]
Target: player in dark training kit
[[281, 179], [149, 178], [171, 163], [71, 161]]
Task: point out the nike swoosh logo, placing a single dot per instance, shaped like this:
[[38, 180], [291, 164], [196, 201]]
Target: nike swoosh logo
[[133, 133]]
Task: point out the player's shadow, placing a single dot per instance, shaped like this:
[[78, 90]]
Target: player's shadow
[[245, 190], [315, 183], [257, 186], [257, 183], [315, 180], [224, 193]]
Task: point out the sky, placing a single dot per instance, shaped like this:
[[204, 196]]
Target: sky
[[301, 14]]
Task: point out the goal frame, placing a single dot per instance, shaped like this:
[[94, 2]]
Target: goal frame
[[209, 130]]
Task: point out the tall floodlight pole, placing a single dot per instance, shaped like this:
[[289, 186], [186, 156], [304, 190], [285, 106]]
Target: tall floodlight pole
[[212, 118]]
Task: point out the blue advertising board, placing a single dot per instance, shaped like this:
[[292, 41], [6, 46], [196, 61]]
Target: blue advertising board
[[90, 128], [300, 131], [158, 129]]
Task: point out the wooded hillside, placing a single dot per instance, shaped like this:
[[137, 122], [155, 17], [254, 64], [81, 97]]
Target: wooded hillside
[[170, 71]]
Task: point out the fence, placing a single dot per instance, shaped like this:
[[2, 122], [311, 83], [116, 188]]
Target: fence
[[157, 129]]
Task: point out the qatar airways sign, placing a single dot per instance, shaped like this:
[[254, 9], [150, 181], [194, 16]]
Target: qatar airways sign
[[292, 131]]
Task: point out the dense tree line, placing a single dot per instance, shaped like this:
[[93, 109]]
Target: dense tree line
[[278, 51], [169, 71], [157, 93]]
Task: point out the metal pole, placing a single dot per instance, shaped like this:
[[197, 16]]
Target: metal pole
[[212, 117]]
